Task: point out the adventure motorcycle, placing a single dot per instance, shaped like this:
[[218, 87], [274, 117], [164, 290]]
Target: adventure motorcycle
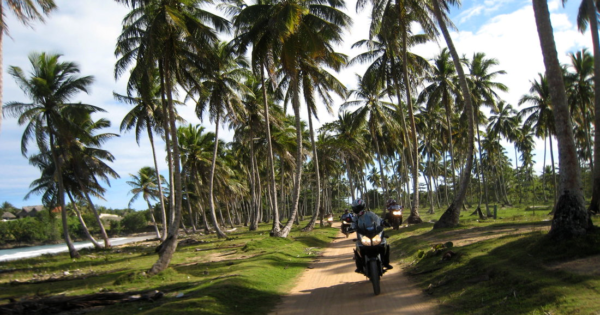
[[394, 216], [370, 245], [347, 226], [330, 220]]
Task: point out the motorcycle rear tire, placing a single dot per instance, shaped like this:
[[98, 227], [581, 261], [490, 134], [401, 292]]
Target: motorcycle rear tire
[[375, 276]]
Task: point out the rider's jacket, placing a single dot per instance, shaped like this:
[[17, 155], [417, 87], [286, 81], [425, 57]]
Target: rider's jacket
[[366, 219]]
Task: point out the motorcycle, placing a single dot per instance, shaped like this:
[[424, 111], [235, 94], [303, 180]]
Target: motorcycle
[[346, 226], [370, 246], [330, 220], [394, 216]]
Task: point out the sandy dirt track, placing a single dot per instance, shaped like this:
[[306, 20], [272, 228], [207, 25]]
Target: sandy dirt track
[[332, 287]]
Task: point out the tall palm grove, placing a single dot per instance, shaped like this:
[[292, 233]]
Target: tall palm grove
[[427, 133]]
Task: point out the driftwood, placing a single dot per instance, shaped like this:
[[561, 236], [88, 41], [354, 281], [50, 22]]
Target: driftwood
[[61, 303]]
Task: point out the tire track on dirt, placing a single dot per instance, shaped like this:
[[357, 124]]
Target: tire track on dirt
[[332, 287]]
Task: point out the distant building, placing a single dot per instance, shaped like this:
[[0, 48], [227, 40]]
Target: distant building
[[110, 217], [30, 211], [7, 216]]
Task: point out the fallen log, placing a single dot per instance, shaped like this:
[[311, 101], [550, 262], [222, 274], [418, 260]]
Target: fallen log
[[60, 303]]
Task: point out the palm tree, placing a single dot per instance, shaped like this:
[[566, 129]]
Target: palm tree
[[146, 114], [580, 94], [145, 184], [442, 91], [540, 115], [283, 29], [588, 14], [51, 85], [450, 217], [85, 159], [483, 92], [571, 219], [350, 141], [172, 36], [220, 94], [316, 80], [402, 14], [26, 11], [372, 111]]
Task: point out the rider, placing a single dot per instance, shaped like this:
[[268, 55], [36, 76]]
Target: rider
[[388, 204], [367, 218], [346, 215]]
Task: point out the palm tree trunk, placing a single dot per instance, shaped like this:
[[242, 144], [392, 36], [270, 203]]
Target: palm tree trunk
[[272, 183], [555, 188], [299, 162], [350, 179], [229, 215], [97, 216], [485, 189], [451, 141], [86, 231], [414, 217], [252, 178], [160, 191], [313, 219], [220, 233], [571, 218], [151, 212], [595, 202], [451, 216], [169, 246]]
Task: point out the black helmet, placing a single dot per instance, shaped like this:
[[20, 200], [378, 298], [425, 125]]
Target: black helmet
[[358, 205]]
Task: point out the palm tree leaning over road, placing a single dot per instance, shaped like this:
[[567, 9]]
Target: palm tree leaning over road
[[145, 184], [26, 11], [51, 86], [571, 219], [451, 216]]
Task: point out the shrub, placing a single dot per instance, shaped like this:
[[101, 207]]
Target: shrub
[[135, 221]]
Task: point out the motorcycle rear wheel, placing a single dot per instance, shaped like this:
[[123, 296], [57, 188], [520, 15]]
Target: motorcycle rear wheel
[[375, 276]]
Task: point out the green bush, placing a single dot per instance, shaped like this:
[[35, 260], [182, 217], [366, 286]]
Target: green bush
[[135, 221]]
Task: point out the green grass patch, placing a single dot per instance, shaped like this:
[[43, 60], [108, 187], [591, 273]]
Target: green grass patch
[[502, 266], [247, 273]]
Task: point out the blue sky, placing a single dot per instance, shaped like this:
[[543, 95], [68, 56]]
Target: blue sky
[[85, 32]]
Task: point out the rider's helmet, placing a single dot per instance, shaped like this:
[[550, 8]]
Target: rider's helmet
[[390, 202], [358, 205]]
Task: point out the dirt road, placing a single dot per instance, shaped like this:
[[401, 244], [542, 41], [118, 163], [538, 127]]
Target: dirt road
[[332, 287]]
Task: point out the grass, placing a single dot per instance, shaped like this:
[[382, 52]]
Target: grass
[[244, 274], [502, 266]]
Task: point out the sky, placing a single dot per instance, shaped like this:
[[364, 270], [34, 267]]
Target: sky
[[85, 32]]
